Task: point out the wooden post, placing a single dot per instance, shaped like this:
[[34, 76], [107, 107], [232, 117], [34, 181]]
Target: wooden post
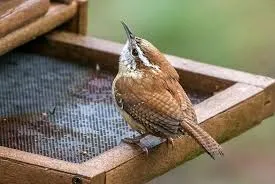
[[78, 23]]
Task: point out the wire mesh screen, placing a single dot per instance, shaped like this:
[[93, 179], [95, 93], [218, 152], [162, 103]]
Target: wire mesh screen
[[59, 109]]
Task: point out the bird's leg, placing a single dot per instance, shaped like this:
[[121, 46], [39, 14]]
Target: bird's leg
[[134, 140], [170, 141]]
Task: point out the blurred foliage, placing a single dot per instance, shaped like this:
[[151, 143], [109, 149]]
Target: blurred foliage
[[231, 33], [228, 33]]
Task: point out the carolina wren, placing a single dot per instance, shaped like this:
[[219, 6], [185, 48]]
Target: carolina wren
[[150, 98]]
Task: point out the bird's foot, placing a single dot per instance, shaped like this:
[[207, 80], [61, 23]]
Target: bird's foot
[[136, 140]]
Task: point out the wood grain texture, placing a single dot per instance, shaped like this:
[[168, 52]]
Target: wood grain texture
[[37, 160], [57, 14], [21, 14], [193, 75], [222, 101], [23, 167], [8, 4], [269, 100], [79, 23], [21, 173], [220, 72]]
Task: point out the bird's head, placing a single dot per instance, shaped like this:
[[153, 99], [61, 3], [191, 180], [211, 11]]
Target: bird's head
[[139, 54]]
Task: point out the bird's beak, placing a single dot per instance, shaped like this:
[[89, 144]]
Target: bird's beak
[[129, 34]]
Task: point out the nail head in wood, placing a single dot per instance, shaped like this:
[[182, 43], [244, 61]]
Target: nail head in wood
[[76, 180]]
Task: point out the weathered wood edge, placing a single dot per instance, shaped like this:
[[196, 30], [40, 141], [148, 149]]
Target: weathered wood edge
[[222, 101], [220, 72], [23, 173], [22, 14], [57, 14], [105, 53], [242, 100], [23, 167], [39, 161]]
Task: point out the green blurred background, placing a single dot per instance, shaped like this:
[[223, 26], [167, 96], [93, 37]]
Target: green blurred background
[[230, 33]]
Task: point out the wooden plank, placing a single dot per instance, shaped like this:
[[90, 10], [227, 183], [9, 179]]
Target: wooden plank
[[35, 168], [22, 173], [220, 72], [91, 50], [79, 23], [111, 159], [57, 14], [40, 161], [21, 14], [42, 167], [222, 101]]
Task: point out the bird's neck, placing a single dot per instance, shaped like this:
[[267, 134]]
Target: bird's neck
[[128, 71]]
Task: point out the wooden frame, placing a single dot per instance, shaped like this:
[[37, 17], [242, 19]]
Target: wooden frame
[[79, 23], [240, 101], [56, 15]]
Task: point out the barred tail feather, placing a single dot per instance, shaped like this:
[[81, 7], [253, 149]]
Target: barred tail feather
[[204, 139]]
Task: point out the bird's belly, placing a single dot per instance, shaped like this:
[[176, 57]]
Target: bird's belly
[[133, 123]]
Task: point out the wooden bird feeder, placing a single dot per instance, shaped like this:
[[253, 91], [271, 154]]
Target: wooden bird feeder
[[58, 122]]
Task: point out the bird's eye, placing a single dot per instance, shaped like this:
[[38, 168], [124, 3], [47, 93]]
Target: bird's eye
[[135, 52]]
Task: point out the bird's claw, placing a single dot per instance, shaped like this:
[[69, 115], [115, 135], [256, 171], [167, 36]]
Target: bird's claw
[[136, 141], [144, 148]]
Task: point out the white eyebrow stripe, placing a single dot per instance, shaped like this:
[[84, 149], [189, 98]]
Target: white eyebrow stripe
[[144, 60]]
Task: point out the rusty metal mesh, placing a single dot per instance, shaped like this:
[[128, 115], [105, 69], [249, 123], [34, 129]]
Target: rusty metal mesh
[[59, 109]]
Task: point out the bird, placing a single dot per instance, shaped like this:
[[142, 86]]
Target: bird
[[147, 92]]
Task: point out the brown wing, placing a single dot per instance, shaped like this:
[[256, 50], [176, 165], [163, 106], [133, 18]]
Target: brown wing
[[163, 108], [150, 103]]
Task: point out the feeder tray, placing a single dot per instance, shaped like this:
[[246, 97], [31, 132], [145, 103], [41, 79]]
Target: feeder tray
[[58, 121]]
